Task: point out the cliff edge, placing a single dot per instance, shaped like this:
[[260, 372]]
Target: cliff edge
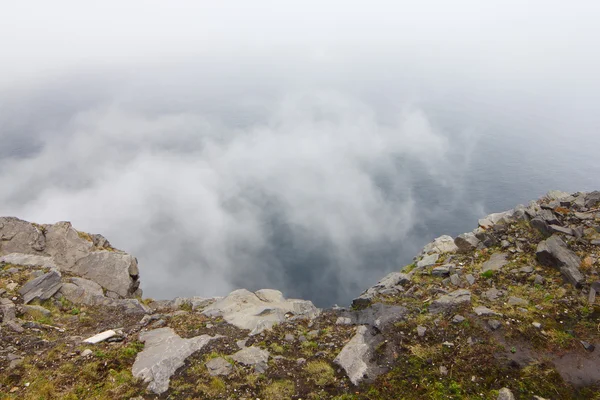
[[507, 311]]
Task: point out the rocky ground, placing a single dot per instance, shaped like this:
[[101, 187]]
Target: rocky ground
[[508, 311]]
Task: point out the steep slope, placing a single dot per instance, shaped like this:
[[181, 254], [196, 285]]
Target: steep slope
[[506, 311]]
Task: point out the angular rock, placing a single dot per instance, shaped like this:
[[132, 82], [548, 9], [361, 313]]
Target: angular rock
[[553, 252], [355, 356], [496, 218], [466, 242], [421, 330], [163, 354], [260, 311], [484, 311], [486, 237], [492, 294], [378, 315], [81, 291], [495, 263], [541, 226], [549, 217], [428, 261], [594, 289], [561, 229], [28, 260], [36, 310], [516, 301], [42, 287], [219, 366], [470, 279], [8, 310], [18, 236], [441, 245], [592, 199], [14, 325], [455, 279], [450, 301], [494, 324], [253, 357], [442, 271]]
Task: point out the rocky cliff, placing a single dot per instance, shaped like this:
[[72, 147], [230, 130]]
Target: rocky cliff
[[507, 311]]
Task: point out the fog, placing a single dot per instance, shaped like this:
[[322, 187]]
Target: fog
[[309, 148]]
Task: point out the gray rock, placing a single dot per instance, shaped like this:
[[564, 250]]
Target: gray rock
[[450, 301], [486, 237], [42, 287], [541, 226], [20, 236], [290, 338], [8, 309], [536, 325], [587, 346], [584, 216], [81, 291], [495, 263], [253, 357], [549, 217], [561, 229], [494, 324], [594, 289], [554, 252], [421, 330], [470, 279], [457, 319], [86, 353], [28, 260], [259, 311], [343, 321], [592, 199], [393, 279], [14, 325], [443, 371], [455, 279], [163, 354], [355, 356], [526, 270], [505, 394], [442, 271], [219, 367], [466, 242], [428, 261], [496, 218], [492, 294], [36, 310], [538, 279], [378, 315], [517, 301], [441, 245], [483, 311]]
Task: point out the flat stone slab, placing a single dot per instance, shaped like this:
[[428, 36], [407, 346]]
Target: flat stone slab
[[163, 354], [495, 263], [253, 357], [219, 366], [28, 260], [355, 355], [43, 287], [450, 301], [428, 261], [553, 252]]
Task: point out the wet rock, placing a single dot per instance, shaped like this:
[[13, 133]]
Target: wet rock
[[259, 311], [42, 287], [466, 242], [450, 301], [495, 263], [163, 354], [554, 252], [219, 367], [253, 357]]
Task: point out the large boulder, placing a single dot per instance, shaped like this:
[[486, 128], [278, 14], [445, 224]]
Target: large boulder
[[261, 310], [355, 357], [164, 352], [440, 245], [81, 291], [553, 252], [466, 242], [62, 246]]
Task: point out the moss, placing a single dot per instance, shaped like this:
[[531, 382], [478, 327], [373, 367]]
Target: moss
[[320, 372], [279, 390]]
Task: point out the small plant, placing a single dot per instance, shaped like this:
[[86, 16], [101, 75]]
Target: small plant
[[487, 274], [279, 390], [320, 372]]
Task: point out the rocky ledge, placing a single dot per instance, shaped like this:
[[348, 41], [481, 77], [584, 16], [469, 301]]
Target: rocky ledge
[[507, 311]]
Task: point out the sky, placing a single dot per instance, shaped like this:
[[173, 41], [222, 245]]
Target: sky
[[310, 147]]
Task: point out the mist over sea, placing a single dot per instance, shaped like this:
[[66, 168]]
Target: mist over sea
[[310, 149]]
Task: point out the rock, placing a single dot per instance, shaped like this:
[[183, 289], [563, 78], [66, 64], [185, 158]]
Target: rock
[[466, 242], [470, 279], [392, 279], [42, 287], [505, 394], [560, 229], [495, 263], [442, 271], [492, 294], [253, 357], [219, 366], [455, 279], [428, 261], [549, 217], [163, 354], [86, 353], [355, 356], [14, 325], [301, 361], [526, 270], [541, 226], [241, 343], [100, 337], [82, 291], [20, 236], [259, 311], [592, 199], [36, 310], [594, 289], [536, 325], [538, 279], [448, 344], [421, 330], [486, 237], [516, 301], [457, 319], [378, 315], [584, 216], [450, 301], [553, 252], [343, 321], [494, 324], [587, 346], [441, 245], [290, 338], [8, 309], [443, 371], [484, 311], [28, 260], [496, 218]]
